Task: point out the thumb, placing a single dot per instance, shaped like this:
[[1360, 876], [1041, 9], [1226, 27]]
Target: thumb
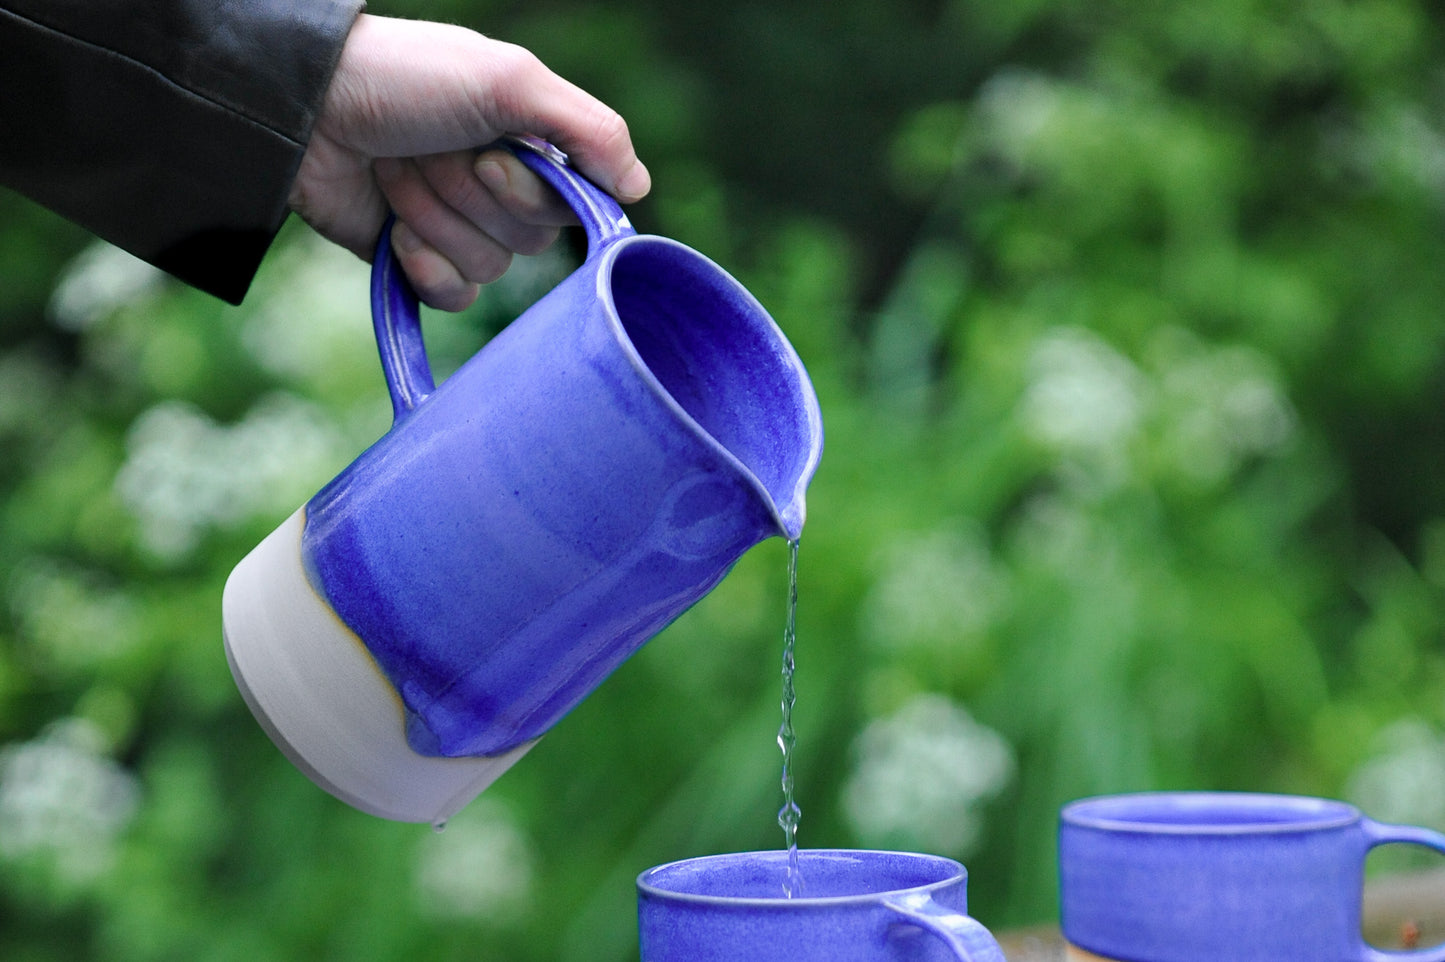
[[528, 98]]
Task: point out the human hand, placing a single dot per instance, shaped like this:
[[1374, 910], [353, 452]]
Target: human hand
[[408, 106]]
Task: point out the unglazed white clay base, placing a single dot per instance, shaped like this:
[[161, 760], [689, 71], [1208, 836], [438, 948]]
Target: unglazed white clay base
[[318, 693], [1072, 953]]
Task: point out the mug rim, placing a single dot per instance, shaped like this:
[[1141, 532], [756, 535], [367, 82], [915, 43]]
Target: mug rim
[[1143, 813], [647, 888]]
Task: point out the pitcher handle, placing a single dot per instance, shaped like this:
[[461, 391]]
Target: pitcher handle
[[601, 216], [395, 312], [966, 937], [1379, 833], [396, 317]]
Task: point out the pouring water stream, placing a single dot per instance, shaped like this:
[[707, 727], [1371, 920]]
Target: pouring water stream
[[790, 813]]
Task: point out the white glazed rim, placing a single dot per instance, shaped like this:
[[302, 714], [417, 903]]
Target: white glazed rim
[[647, 887], [1149, 813]]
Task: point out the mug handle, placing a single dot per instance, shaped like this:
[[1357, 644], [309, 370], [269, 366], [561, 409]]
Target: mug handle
[[966, 937], [1379, 833], [395, 313]]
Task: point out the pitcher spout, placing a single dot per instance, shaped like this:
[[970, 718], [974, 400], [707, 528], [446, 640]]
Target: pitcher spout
[[791, 520], [790, 508], [714, 353], [787, 470]]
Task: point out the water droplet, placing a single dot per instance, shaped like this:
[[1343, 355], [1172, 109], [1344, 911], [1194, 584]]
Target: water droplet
[[439, 826]]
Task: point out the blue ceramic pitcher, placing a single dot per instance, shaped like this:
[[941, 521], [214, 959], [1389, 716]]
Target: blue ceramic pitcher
[[525, 526]]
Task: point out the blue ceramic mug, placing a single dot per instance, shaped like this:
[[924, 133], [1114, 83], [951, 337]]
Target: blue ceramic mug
[[525, 526], [1221, 877], [855, 906]]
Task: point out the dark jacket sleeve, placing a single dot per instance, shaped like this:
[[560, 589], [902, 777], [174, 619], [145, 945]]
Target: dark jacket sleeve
[[171, 128]]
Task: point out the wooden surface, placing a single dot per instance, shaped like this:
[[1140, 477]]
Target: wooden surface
[[1401, 911], [1033, 945], [1405, 908]]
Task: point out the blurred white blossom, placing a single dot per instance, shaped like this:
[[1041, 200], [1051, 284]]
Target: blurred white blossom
[[63, 803], [309, 319], [1219, 406], [940, 587], [1205, 410], [1395, 142], [1060, 533], [312, 314], [1083, 396], [71, 616], [921, 776], [99, 280], [1017, 106], [481, 867], [1404, 780], [185, 473], [1407, 142]]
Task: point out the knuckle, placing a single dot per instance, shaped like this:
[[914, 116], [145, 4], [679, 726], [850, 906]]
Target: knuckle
[[451, 178], [425, 271], [610, 130], [446, 292], [538, 240], [514, 64], [402, 186], [490, 267]]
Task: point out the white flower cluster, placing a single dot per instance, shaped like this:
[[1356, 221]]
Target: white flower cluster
[[938, 588], [100, 280], [481, 866], [1200, 410], [1403, 781], [1083, 399], [71, 617], [922, 775], [310, 315], [63, 803], [185, 473]]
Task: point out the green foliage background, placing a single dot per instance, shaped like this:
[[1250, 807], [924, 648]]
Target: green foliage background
[[1126, 321]]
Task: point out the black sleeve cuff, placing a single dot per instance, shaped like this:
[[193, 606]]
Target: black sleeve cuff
[[171, 128]]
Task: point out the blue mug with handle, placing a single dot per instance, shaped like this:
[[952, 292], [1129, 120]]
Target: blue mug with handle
[[854, 906], [1221, 877], [524, 527]]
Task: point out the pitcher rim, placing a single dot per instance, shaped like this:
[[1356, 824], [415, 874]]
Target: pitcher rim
[[811, 409]]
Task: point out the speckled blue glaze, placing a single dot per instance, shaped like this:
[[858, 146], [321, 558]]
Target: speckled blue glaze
[[590, 473], [857, 906], [1208, 877]]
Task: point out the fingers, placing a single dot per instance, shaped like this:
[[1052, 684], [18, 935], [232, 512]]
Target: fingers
[[462, 217], [408, 88], [435, 279], [408, 105], [521, 193]]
